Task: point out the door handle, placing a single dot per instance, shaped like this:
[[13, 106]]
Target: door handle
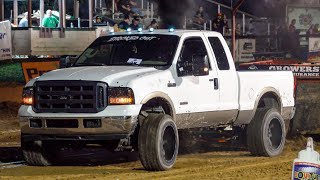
[[216, 83]]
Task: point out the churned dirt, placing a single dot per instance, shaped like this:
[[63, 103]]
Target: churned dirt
[[10, 92], [201, 161]]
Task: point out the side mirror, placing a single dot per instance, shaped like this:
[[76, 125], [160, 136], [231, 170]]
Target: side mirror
[[200, 65], [69, 61]]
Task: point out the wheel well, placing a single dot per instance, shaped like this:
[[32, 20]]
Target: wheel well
[[158, 105], [270, 100]]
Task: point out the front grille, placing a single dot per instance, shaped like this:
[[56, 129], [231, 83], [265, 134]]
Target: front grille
[[69, 96]]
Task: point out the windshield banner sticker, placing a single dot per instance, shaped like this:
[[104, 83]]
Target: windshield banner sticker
[[131, 38], [134, 61]]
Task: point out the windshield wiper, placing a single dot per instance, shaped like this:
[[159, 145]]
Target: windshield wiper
[[89, 64]]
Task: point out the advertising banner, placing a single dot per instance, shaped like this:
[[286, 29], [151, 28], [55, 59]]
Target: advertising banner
[[314, 49], [34, 69], [304, 16], [5, 40], [300, 71], [245, 49]]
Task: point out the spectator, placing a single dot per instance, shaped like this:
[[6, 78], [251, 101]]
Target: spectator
[[219, 23], [292, 27], [315, 30], [153, 24], [50, 21], [251, 28], [134, 8], [116, 2], [310, 30], [135, 24], [199, 16], [238, 29], [98, 20], [282, 36], [24, 21], [293, 39], [225, 26], [124, 7], [125, 24]]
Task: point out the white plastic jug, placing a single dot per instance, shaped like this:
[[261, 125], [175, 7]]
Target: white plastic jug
[[307, 165]]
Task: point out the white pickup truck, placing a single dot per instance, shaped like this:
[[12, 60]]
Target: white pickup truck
[[135, 90]]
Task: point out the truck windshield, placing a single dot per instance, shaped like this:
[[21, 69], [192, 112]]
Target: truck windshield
[[128, 50]]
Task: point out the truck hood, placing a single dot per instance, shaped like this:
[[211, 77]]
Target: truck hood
[[121, 74]]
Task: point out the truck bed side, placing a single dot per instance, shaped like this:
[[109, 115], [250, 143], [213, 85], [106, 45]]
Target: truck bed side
[[254, 85]]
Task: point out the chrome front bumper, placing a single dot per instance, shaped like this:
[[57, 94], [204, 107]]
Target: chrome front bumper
[[117, 120]]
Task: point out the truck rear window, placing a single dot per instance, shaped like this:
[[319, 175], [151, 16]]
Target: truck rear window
[[219, 53], [138, 50]]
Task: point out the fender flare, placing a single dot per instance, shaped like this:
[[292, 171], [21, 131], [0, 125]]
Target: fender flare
[[261, 94], [162, 95], [246, 118]]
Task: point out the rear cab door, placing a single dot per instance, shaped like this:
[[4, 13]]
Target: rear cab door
[[228, 82]]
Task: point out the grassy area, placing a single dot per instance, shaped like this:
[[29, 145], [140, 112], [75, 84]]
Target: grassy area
[[11, 72]]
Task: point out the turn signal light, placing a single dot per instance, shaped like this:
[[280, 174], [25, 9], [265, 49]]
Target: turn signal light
[[27, 96], [121, 100], [27, 100]]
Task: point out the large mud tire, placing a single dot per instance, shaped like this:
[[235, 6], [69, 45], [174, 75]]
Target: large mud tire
[[158, 142], [38, 153], [266, 133]]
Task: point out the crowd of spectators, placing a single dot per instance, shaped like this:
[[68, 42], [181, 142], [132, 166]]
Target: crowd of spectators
[[49, 21], [219, 23], [135, 24]]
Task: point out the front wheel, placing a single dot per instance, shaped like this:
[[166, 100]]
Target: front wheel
[[158, 142], [39, 153], [266, 133]]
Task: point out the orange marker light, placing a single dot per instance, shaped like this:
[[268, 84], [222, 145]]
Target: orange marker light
[[27, 100], [121, 100]]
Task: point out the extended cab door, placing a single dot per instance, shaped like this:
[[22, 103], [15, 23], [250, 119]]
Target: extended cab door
[[199, 96], [228, 80]]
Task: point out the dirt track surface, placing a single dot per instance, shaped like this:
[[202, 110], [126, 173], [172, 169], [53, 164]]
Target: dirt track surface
[[212, 165], [201, 161]]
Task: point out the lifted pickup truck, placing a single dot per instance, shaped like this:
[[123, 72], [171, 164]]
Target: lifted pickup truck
[[135, 90]]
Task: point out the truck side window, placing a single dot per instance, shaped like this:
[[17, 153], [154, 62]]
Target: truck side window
[[191, 46], [219, 52]]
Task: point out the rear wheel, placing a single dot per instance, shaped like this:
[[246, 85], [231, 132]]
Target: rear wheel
[[158, 142], [266, 133]]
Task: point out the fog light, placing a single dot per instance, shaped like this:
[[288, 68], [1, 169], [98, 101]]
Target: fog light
[[92, 123], [35, 123]]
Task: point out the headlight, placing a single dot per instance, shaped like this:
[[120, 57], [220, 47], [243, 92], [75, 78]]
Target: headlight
[[27, 96], [120, 96]]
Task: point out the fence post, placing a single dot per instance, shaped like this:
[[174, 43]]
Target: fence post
[[90, 14], [151, 11], [15, 12], [113, 8], [2, 10], [243, 24], [41, 12], [148, 9]]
